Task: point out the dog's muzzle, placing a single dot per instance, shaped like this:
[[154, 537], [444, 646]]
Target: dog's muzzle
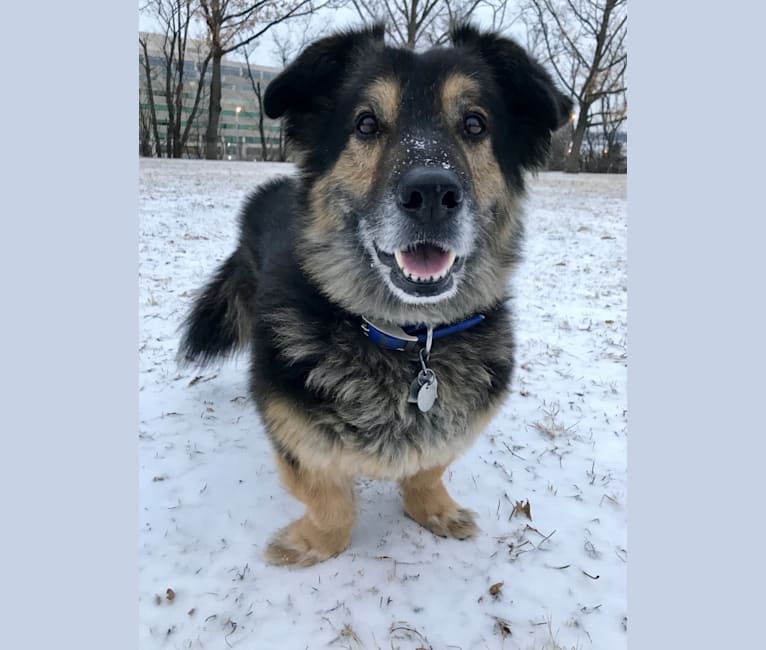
[[421, 246]]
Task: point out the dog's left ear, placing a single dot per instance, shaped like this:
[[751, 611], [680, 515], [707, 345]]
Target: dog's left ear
[[534, 103], [308, 86]]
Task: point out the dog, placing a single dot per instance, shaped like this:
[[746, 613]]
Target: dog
[[371, 288]]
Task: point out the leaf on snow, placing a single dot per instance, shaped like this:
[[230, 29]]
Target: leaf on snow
[[522, 508], [505, 629]]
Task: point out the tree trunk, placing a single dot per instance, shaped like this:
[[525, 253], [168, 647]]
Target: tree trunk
[[258, 91], [195, 106], [412, 25], [169, 104], [145, 132], [282, 147], [261, 131], [214, 111], [150, 95], [572, 164], [179, 100]]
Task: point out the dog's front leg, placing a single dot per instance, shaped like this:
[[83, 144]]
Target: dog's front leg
[[325, 529], [426, 501]]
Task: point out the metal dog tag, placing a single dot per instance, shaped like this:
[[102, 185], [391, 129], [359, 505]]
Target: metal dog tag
[[427, 393], [415, 386], [423, 390]]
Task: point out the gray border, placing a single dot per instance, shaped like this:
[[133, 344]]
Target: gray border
[[69, 458], [695, 276], [69, 242]]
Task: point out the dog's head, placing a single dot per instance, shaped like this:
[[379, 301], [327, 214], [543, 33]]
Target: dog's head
[[413, 167]]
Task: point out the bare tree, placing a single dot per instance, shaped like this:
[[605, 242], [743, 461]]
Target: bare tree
[[234, 24], [174, 18], [147, 112], [144, 132], [612, 113], [258, 90], [421, 23], [149, 80], [585, 44], [504, 13], [406, 20], [179, 127], [412, 23]]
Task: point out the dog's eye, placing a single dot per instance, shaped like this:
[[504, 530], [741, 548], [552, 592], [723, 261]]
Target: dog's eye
[[474, 124], [366, 125]]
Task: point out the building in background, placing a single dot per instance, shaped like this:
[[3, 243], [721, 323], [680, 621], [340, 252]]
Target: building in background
[[238, 132]]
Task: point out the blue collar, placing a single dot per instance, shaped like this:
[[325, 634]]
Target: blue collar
[[409, 337]]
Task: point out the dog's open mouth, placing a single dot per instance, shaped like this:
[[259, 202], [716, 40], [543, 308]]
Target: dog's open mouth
[[424, 262], [421, 269]]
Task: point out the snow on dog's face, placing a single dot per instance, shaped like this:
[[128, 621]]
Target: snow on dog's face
[[413, 168]]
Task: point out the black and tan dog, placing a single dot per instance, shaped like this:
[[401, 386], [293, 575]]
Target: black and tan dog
[[371, 287]]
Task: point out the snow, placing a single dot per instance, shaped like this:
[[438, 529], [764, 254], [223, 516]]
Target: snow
[[209, 496]]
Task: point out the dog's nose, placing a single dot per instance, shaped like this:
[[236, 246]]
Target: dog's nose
[[429, 194]]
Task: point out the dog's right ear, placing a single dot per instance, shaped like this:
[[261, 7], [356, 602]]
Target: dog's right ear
[[309, 84], [535, 106]]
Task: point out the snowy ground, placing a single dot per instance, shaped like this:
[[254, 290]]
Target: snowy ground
[[206, 474]]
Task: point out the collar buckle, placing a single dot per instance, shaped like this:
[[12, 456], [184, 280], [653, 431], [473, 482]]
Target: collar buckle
[[392, 337], [388, 336]]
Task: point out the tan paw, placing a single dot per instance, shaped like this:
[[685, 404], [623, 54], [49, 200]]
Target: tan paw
[[302, 544], [459, 523]]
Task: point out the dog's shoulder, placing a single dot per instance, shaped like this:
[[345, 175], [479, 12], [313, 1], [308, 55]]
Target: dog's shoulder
[[267, 224], [269, 209]]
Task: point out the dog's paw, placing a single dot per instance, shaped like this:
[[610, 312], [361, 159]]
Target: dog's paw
[[301, 544], [459, 523], [287, 550]]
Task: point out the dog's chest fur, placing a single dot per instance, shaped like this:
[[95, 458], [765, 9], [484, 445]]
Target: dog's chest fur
[[356, 393]]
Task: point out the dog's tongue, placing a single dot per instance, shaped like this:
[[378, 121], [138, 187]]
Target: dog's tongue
[[425, 260]]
